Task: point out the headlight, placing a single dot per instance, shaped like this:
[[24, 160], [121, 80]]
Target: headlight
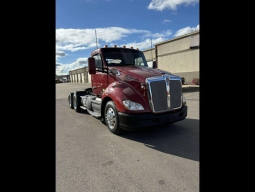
[[130, 105], [183, 100]]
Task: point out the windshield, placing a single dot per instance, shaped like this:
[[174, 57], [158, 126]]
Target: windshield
[[123, 57]]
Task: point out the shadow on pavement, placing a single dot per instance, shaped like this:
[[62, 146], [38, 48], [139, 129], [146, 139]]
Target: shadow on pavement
[[179, 139]]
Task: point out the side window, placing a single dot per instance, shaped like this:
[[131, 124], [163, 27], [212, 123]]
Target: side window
[[98, 61], [139, 61]]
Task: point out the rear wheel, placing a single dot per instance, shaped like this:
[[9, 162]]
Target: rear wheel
[[70, 100], [76, 103], [112, 118]]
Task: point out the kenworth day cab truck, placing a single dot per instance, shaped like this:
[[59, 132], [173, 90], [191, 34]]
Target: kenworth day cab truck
[[126, 94]]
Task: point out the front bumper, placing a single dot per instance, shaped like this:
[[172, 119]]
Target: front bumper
[[136, 121]]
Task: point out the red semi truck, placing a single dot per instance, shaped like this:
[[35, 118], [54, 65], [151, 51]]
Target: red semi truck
[[126, 94]]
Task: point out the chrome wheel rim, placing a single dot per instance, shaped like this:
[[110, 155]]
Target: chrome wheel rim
[[110, 118]]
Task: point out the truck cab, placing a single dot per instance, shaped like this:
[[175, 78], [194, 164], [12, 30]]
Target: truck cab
[[127, 94]]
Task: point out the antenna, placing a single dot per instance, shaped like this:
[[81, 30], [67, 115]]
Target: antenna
[[151, 52], [96, 37]]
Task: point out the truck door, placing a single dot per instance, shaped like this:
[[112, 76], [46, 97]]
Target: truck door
[[99, 80]]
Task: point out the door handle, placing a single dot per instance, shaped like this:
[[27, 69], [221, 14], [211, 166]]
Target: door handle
[[94, 87]]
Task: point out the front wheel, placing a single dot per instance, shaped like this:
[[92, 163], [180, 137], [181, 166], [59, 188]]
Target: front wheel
[[112, 118]]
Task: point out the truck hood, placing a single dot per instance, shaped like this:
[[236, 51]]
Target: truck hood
[[135, 73]]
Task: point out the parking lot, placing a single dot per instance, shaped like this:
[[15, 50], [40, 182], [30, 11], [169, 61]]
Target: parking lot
[[90, 158]]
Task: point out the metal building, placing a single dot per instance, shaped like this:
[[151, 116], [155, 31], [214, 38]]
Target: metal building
[[80, 75], [179, 55]]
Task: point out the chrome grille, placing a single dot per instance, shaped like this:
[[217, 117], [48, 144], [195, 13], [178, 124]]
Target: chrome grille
[[176, 93], [159, 96], [164, 93]]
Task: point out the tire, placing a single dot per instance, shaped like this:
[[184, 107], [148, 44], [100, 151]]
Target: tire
[[70, 100], [112, 118], [76, 102]]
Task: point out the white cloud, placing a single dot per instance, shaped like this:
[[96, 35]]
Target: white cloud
[[63, 69], [166, 21], [186, 30], [60, 54], [146, 44], [74, 47], [59, 64], [160, 5], [157, 35], [80, 39]]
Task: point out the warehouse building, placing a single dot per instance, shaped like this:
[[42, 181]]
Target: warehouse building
[[80, 75], [179, 56]]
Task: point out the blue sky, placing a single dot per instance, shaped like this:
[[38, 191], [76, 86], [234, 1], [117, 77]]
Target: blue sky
[[117, 22]]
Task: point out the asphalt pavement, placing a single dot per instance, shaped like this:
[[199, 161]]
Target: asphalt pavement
[[89, 158]]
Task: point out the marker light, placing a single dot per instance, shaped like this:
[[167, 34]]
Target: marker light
[[105, 46], [131, 47], [124, 46], [115, 45]]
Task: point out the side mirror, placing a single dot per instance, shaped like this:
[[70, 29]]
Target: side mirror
[[92, 65], [154, 65]]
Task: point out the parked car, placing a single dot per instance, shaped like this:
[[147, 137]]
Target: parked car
[[58, 81]]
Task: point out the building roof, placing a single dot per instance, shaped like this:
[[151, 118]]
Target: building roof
[[78, 68], [179, 37], [149, 49]]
